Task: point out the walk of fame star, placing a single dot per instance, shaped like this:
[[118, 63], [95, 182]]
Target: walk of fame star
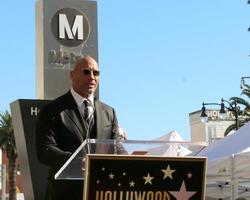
[[182, 194]]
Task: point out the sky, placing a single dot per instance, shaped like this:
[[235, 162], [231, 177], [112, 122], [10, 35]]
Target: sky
[[159, 60]]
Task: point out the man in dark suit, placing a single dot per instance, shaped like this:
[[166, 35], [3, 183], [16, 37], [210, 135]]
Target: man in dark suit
[[62, 127]]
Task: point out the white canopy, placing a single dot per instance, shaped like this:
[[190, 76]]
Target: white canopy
[[232, 144], [171, 149], [170, 136], [228, 171]]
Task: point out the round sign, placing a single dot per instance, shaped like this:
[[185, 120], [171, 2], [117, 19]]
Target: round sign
[[70, 27]]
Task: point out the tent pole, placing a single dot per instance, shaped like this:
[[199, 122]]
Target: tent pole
[[234, 188], [234, 182]]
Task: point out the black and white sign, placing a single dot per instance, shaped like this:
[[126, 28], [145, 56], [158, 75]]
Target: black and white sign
[[144, 178], [65, 31], [70, 27]]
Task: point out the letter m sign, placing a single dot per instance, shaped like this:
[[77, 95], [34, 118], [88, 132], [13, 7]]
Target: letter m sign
[[73, 32]]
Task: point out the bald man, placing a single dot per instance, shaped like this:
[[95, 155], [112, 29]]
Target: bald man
[[61, 127]]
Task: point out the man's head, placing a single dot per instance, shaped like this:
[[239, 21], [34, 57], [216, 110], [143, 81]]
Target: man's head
[[85, 76]]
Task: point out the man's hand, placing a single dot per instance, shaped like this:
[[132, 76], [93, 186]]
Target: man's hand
[[121, 134]]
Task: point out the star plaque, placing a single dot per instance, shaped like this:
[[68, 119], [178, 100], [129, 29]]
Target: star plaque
[[144, 177]]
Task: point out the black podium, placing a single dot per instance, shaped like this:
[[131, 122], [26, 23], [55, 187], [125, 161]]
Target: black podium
[[136, 169]]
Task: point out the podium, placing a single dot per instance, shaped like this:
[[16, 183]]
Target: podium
[[137, 169]]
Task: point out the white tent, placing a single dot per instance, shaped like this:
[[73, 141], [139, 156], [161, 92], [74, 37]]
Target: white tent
[[233, 170], [170, 136], [232, 144], [170, 149], [228, 172]]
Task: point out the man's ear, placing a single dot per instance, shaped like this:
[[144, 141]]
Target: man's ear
[[71, 74]]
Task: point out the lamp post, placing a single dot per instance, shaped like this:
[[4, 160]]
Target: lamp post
[[222, 114], [242, 81]]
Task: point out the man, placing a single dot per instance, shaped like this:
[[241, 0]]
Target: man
[[62, 127]]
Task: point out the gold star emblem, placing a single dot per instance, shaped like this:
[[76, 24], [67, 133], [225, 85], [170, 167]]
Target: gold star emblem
[[132, 184], [168, 172], [111, 176], [148, 179]]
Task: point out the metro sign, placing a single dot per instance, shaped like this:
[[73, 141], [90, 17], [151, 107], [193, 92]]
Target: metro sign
[[70, 27], [64, 27]]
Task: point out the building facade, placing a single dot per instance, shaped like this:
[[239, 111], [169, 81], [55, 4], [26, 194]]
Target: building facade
[[209, 131]]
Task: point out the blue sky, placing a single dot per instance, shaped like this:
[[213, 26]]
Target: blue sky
[[159, 59]]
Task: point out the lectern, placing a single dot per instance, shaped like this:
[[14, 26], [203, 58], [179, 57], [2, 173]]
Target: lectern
[[137, 169]]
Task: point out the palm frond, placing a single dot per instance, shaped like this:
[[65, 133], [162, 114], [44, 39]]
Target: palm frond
[[229, 129], [246, 90], [233, 126], [7, 138], [6, 121], [240, 101]]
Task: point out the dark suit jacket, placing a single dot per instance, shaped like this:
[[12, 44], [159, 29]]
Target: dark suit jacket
[[60, 131]]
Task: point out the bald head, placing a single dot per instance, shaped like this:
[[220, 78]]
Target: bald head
[[86, 61], [85, 76]]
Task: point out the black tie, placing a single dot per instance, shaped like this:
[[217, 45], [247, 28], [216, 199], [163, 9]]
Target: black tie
[[87, 114]]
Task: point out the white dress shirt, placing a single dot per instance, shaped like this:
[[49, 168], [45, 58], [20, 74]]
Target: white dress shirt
[[79, 101]]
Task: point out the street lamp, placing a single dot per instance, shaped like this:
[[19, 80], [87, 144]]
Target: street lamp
[[222, 114], [242, 81]]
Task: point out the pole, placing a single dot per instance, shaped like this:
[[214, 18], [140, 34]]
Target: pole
[[235, 109], [234, 180], [236, 121]]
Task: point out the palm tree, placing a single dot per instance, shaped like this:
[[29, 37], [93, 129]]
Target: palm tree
[[244, 113], [8, 145]]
